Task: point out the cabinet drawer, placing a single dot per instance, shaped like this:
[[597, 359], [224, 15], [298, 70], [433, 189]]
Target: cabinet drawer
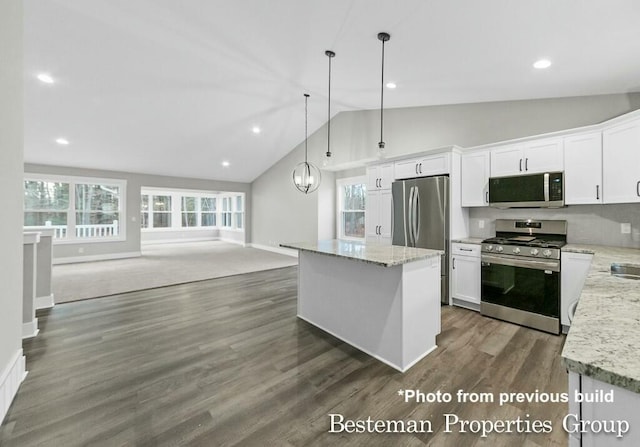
[[465, 249]]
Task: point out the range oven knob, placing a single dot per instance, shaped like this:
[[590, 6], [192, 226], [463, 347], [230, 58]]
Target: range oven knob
[[516, 250], [546, 253], [489, 247], [534, 252], [499, 249]]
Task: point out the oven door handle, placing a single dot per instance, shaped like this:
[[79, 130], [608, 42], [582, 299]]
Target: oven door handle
[[535, 264]]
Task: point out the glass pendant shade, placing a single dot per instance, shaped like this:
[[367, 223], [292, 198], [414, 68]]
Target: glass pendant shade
[[306, 177]]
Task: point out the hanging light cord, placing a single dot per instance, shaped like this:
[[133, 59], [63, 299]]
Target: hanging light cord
[[330, 54], [383, 37], [306, 98]]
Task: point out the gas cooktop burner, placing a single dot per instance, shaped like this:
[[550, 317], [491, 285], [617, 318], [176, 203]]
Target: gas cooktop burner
[[525, 242]]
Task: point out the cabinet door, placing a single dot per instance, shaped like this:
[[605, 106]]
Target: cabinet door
[[372, 215], [621, 163], [407, 169], [373, 179], [542, 156], [386, 176], [507, 160], [434, 165], [475, 179], [583, 169], [465, 278], [575, 267], [386, 216]]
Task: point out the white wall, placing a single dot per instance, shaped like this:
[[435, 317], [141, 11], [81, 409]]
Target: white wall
[[11, 162], [281, 213], [135, 182]]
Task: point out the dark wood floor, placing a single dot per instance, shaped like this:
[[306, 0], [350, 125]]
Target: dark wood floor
[[226, 362]]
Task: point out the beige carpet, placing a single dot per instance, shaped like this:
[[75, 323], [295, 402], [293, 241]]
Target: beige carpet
[[161, 265]]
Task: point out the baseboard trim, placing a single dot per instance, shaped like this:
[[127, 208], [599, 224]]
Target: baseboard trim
[[45, 302], [280, 250], [232, 241], [30, 329], [10, 379], [91, 258], [177, 241]]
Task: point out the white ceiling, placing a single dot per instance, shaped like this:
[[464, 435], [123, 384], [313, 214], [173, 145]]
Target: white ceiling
[[174, 87]]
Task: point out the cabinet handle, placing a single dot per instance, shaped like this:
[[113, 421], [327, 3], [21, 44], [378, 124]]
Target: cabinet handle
[[466, 249], [521, 165], [420, 168], [486, 197], [379, 232], [416, 168], [453, 267], [597, 192], [638, 188], [526, 164]]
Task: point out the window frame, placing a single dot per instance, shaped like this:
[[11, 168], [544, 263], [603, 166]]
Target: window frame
[[72, 181], [340, 184]]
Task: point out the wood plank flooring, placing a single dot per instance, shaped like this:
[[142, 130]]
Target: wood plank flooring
[[226, 362]]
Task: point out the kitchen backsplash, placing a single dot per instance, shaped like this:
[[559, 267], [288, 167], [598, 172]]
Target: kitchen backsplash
[[587, 224]]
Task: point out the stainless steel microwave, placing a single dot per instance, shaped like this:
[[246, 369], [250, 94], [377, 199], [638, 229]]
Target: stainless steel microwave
[[544, 190]]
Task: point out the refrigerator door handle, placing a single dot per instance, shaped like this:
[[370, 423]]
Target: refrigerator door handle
[[410, 216], [416, 215]]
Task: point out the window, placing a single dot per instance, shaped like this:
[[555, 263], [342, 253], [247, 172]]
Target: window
[[173, 210], [161, 211], [208, 211], [351, 208], [190, 211], [238, 212], [76, 208]]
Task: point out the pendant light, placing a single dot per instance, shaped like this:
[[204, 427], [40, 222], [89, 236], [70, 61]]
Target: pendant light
[[383, 37], [330, 54], [306, 176]]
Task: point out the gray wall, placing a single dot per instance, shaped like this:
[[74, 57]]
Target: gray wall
[[586, 224], [11, 160], [282, 214], [134, 184]]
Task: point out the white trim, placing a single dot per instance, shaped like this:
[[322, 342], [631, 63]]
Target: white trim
[[177, 241], [340, 183], [232, 241], [89, 258], [280, 250], [30, 329], [10, 380], [45, 302]]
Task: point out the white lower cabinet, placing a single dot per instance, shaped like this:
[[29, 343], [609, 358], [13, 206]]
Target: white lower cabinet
[[378, 217], [585, 418], [575, 267], [465, 275]]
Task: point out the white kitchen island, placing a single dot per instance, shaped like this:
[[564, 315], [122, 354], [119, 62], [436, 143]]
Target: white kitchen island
[[381, 299]]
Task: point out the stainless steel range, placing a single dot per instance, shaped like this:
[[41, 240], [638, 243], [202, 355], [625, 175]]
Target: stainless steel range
[[521, 273]]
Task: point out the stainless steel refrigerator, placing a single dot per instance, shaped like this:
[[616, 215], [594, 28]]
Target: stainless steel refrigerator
[[421, 218]]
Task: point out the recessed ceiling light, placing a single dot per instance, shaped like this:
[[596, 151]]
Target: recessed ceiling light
[[62, 141], [46, 78], [225, 164], [256, 130], [391, 85], [542, 63]]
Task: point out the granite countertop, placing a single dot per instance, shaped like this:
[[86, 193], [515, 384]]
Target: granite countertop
[[384, 255], [604, 336], [468, 240]]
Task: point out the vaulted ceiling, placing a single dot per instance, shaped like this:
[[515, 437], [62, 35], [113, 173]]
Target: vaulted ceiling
[[175, 87]]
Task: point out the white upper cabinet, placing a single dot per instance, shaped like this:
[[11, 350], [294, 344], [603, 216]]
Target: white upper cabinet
[[531, 157], [422, 167], [583, 169], [621, 163], [379, 177], [475, 178]]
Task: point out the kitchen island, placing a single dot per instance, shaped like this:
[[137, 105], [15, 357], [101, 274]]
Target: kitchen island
[[381, 299]]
